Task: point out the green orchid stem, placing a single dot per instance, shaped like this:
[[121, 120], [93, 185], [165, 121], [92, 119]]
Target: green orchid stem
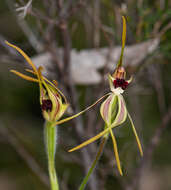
[[86, 178], [50, 141]]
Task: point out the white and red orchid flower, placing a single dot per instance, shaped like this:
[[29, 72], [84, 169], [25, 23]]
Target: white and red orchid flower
[[113, 110]]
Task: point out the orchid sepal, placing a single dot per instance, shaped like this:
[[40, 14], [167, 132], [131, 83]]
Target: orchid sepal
[[123, 41], [136, 135]]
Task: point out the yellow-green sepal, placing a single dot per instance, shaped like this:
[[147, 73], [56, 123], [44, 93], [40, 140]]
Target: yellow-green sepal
[[123, 41], [136, 135], [111, 79], [62, 111]]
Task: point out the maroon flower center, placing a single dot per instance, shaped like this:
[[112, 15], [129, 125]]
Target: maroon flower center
[[47, 105], [120, 83]]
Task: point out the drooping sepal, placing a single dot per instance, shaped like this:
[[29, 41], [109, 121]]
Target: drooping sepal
[[136, 135]]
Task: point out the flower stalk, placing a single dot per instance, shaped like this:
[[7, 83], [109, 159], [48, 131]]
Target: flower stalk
[[98, 155], [50, 136]]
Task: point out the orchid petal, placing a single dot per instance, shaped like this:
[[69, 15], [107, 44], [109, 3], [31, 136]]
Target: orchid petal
[[62, 110], [76, 115], [111, 79], [130, 80], [90, 140], [24, 55], [24, 76]]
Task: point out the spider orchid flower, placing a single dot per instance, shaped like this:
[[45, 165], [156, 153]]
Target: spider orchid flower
[[52, 100], [113, 110]]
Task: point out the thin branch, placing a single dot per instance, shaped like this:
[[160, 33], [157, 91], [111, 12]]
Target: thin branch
[[63, 26], [165, 29], [24, 154], [36, 44], [155, 140]]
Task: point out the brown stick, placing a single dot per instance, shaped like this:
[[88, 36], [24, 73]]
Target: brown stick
[[24, 154], [155, 140], [63, 26]]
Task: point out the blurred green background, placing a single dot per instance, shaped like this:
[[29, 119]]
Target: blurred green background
[[94, 24]]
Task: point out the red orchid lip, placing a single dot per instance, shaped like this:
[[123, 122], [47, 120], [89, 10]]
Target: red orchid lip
[[120, 83], [47, 105]]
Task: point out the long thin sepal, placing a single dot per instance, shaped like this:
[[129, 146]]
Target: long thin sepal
[[76, 115], [90, 140], [123, 41], [86, 178], [136, 135], [24, 55], [50, 141], [24, 76], [115, 148]]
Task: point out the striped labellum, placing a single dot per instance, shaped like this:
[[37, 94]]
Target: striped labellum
[[113, 110]]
